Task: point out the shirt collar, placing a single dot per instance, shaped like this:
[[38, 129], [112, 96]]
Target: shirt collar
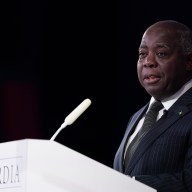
[[168, 102]]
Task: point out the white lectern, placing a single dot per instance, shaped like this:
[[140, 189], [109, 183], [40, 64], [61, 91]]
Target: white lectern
[[32, 165]]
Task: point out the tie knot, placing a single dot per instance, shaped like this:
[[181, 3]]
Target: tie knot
[[156, 106]]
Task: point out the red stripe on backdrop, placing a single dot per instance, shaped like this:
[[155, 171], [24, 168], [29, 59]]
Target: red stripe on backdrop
[[20, 111]]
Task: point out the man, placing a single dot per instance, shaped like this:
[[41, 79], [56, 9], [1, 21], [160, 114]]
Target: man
[[162, 156]]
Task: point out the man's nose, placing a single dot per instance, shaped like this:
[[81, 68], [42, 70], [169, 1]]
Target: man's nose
[[150, 61]]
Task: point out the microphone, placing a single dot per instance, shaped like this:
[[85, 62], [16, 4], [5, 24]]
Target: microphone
[[73, 116]]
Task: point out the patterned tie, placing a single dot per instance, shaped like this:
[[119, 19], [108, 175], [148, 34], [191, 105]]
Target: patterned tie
[[150, 119]]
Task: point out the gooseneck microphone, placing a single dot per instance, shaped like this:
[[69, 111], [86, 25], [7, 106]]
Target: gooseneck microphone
[[73, 116]]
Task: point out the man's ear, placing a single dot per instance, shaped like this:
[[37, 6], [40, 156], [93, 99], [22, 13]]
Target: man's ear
[[189, 61]]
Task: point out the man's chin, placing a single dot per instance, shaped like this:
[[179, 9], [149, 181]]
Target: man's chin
[[157, 94]]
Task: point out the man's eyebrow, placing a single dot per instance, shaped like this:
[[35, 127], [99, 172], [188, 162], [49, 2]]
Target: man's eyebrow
[[163, 45], [158, 45]]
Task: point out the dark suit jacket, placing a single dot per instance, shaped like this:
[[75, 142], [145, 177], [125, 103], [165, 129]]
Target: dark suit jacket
[[163, 159]]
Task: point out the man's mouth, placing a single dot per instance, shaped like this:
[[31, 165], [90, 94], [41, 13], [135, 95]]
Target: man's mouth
[[151, 79]]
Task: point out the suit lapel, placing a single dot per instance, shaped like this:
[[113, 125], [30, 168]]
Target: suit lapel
[[177, 111], [130, 129], [134, 121]]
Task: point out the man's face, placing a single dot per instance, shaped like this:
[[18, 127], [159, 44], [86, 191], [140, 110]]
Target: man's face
[[162, 64]]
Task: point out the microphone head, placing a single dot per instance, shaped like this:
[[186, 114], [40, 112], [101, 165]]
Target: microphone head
[[77, 111]]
